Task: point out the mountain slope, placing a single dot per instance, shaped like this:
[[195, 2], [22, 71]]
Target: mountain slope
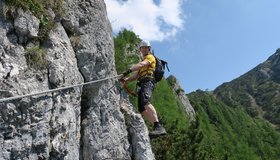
[[257, 91], [229, 133]]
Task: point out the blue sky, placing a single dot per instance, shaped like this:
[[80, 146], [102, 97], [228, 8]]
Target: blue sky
[[206, 42]]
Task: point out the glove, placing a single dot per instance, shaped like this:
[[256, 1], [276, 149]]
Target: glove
[[122, 80], [126, 72]]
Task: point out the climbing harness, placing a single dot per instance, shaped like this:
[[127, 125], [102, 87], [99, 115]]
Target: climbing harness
[[57, 89], [128, 90]]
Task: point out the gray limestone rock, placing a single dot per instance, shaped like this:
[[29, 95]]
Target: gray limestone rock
[[26, 25], [174, 83], [77, 123], [104, 132], [46, 126], [138, 132]]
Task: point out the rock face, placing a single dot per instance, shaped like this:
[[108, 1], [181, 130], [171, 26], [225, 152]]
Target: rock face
[[42, 127], [78, 123], [182, 96], [103, 128], [137, 130], [26, 25]]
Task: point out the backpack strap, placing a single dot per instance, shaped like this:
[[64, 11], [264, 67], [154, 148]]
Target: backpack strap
[[165, 64]]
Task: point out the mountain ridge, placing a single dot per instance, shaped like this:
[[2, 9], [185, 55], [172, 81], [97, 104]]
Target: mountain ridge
[[257, 91]]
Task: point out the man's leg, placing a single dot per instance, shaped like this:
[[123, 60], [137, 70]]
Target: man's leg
[[148, 110], [150, 113]]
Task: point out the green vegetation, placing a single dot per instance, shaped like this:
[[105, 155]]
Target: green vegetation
[[180, 144], [169, 108], [39, 8], [36, 58], [229, 133], [126, 42]]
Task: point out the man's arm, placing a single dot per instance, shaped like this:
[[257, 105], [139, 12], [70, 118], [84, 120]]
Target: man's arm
[[139, 65], [132, 78], [135, 67]]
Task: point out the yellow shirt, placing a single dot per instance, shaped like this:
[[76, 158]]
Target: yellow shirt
[[150, 68]]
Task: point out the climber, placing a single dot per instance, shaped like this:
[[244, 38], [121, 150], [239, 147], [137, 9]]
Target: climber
[[143, 73]]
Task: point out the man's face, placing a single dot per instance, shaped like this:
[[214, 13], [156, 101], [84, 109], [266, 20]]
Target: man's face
[[145, 50]]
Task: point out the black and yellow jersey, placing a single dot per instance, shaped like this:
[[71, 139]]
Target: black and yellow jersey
[[148, 70]]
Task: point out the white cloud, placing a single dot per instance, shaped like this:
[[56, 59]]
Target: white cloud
[[151, 21]]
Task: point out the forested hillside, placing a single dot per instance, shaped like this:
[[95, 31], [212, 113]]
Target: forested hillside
[[257, 91], [219, 131], [230, 133]]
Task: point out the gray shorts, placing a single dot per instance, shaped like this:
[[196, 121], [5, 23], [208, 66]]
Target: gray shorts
[[147, 86]]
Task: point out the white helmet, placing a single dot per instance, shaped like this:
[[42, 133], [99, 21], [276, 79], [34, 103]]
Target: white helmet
[[144, 43]]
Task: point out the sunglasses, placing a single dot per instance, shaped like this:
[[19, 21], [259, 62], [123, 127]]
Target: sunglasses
[[145, 47]]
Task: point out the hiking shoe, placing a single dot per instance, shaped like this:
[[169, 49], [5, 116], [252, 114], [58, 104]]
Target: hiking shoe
[[158, 131]]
